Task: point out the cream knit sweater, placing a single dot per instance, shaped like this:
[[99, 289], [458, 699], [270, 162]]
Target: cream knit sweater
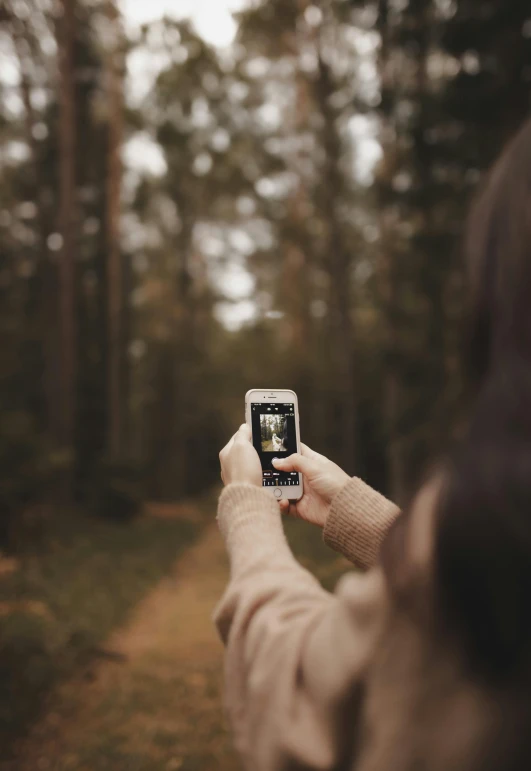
[[296, 655]]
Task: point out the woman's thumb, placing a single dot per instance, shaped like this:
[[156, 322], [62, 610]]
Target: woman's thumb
[[294, 463]]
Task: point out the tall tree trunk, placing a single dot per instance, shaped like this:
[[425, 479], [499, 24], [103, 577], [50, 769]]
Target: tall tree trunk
[[175, 375], [115, 300], [338, 266], [42, 327], [68, 222], [162, 424], [185, 350], [388, 282], [299, 257]]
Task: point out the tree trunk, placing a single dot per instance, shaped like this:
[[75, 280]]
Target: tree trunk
[[299, 262], [115, 300], [67, 219], [175, 376], [389, 288], [185, 350], [338, 265], [41, 306]]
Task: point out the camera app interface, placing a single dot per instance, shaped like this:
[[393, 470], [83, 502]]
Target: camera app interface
[[274, 436]]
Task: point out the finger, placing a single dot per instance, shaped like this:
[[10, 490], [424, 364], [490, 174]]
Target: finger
[[243, 431], [309, 453], [226, 449], [295, 463], [288, 509], [243, 434]]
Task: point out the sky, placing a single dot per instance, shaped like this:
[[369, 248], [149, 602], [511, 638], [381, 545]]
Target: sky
[[212, 18]]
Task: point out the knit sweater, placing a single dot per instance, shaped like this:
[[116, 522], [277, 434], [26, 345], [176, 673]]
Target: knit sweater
[[350, 681], [296, 654]]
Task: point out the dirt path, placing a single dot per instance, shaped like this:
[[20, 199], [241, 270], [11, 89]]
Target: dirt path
[[156, 706]]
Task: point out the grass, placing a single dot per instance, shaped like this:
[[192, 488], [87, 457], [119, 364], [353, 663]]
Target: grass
[[60, 606]]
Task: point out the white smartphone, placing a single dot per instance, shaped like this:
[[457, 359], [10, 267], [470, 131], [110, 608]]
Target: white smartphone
[[274, 420]]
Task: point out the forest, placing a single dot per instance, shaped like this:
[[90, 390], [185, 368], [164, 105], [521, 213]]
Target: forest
[[273, 432], [182, 221]]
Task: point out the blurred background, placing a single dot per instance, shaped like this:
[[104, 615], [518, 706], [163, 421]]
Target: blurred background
[[198, 198]]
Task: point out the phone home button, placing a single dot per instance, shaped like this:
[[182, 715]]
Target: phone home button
[[278, 493]]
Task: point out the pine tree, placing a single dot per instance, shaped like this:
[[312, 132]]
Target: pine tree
[[68, 227]]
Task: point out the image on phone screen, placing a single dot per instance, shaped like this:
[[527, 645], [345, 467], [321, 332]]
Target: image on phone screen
[[274, 436]]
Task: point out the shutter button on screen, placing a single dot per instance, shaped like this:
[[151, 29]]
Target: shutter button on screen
[[278, 492]]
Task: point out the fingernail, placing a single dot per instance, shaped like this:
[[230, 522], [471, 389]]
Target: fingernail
[[275, 461]]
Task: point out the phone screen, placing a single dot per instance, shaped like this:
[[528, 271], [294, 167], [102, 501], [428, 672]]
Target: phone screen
[[275, 436]]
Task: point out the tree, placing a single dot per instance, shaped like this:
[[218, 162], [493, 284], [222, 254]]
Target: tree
[[66, 33], [354, 290], [115, 278], [196, 130], [447, 75], [315, 239]]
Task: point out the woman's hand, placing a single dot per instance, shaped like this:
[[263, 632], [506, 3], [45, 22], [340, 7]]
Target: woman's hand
[[322, 481], [240, 461]]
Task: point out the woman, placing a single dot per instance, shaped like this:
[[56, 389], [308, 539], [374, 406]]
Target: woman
[[423, 661], [277, 443]]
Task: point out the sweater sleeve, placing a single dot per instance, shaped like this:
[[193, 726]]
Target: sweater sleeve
[[287, 697], [358, 522]]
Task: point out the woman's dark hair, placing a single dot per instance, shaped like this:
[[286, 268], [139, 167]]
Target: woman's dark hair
[[483, 530]]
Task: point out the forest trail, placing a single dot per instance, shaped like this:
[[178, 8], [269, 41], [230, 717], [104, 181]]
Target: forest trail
[[155, 702]]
